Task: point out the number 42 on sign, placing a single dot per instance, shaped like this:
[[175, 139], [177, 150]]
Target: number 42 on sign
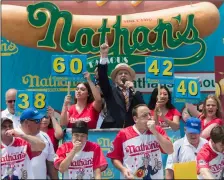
[[159, 69]]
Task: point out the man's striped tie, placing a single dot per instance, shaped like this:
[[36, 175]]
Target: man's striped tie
[[126, 97]]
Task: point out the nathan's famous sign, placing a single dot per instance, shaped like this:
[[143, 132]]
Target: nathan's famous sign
[[140, 40]]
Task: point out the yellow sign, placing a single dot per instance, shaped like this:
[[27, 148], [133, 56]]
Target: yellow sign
[[186, 170]]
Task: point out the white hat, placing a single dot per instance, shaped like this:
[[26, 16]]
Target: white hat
[[3, 119], [122, 66]]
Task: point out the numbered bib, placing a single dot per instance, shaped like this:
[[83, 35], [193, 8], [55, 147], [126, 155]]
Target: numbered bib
[[27, 99], [159, 70], [186, 89], [68, 67]]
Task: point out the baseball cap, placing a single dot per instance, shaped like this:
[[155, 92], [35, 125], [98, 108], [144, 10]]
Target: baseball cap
[[3, 119], [31, 114], [193, 125]]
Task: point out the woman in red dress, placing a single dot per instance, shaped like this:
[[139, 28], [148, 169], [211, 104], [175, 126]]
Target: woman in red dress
[[163, 110], [50, 125], [87, 106], [211, 115]]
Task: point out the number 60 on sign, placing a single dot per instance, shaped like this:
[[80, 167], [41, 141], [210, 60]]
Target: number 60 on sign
[[70, 66], [187, 88]]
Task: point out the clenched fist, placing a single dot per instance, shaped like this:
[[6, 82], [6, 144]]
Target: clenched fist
[[104, 49], [151, 124], [67, 100]]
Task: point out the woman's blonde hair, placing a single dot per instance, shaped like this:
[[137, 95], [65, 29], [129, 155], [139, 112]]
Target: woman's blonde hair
[[219, 106]]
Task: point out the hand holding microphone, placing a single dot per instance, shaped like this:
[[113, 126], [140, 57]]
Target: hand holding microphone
[[129, 85]]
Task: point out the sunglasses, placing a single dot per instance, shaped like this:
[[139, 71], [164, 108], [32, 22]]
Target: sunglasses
[[37, 121], [10, 101]]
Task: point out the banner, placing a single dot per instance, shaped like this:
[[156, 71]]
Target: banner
[[219, 78], [105, 138], [190, 33]]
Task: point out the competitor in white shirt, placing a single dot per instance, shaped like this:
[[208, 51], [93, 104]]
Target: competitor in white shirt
[[136, 150], [16, 152], [186, 149], [30, 124], [9, 112], [210, 159]]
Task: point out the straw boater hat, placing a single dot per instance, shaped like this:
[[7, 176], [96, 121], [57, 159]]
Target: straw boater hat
[[122, 66]]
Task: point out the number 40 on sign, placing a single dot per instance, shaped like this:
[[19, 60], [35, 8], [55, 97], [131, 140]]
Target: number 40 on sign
[[186, 89]]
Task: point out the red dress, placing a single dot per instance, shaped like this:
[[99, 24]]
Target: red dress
[[54, 141], [169, 115], [89, 114], [213, 121]]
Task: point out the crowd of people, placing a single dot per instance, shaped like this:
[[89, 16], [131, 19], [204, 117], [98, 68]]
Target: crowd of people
[[30, 148]]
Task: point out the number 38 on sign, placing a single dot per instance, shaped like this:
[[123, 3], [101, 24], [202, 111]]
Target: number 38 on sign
[[27, 99], [186, 89]]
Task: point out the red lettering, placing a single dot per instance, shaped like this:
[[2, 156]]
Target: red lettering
[[142, 147]]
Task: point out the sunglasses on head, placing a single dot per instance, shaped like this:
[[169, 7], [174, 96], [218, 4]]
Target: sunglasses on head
[[10, 101]]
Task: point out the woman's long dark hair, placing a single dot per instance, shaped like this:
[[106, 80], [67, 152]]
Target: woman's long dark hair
[[153, 99], [90, 98]]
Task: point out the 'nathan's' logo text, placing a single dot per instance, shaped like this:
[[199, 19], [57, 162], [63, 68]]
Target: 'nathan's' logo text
[[41, 13]]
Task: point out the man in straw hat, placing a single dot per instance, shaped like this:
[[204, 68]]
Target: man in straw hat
[[120, 98]]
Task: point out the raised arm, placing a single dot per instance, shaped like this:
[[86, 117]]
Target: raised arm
[[174, 123], [36, 143], [192, 110], [103, 69], [63, 166], [64, 111], [206, 132], [58, 133], [97, 104], [164, 143]]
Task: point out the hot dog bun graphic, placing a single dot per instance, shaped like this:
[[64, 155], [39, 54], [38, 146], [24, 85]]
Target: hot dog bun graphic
[[107, 7], [17, 29]]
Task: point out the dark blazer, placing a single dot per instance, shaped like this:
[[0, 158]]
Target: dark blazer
[[118, 117]]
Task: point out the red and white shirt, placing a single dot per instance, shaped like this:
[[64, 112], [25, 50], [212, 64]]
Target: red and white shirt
[[15, 119], [140, 153], [169, 115], [88, 114], [16, 160], [214, 121], [211, 159], [38, 163], [84, 163]]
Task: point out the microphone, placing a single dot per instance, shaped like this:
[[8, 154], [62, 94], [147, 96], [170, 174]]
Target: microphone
[[123, 80]]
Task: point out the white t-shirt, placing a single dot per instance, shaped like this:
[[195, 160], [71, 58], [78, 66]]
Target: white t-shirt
[[16, 159], [13, 117], [183, 152], [211, 159], [39, 162], [140, 153]]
